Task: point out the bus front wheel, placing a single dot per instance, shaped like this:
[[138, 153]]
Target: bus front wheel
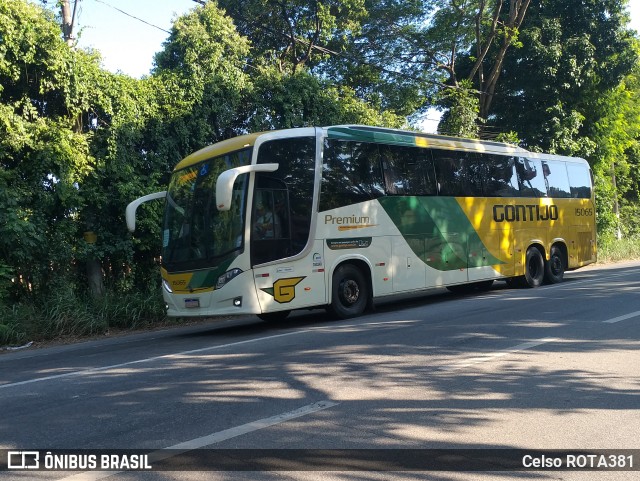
[[554, 268], [349, 292], [534, 268]]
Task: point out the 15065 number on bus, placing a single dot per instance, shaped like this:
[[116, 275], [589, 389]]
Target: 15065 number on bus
[[584, 212]]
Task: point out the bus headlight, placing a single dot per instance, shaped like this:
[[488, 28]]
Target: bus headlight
[[167, 286], [227, 276]]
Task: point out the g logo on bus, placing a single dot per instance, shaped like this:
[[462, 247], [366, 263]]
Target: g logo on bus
[[284, 290]]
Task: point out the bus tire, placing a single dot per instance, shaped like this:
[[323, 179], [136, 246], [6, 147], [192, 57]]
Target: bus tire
[[349, 292], [554, 267], [274, 316], [534, 268]]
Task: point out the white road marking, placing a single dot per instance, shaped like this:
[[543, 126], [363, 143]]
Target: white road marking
[[316, 329], [212, 439], [495, 355], [197, 351], [139, 361], [622, 318]]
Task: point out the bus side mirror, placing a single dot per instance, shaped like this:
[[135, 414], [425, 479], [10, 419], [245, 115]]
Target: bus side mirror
[[224, 184], [131, 208]]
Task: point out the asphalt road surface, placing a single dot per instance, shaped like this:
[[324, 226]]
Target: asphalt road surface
[[553, 368]]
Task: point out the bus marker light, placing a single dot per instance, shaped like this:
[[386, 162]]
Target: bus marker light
[[307, 289]]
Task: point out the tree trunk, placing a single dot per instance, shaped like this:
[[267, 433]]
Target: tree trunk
[[510, 30], [94, 276]]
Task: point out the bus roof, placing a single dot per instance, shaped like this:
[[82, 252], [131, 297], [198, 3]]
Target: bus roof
[[363, 133], [419, 139], [219, 148]]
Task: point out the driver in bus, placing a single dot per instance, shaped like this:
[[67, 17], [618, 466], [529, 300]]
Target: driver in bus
[[267, 225]]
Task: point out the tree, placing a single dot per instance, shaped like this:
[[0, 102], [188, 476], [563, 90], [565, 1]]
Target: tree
[[204, 60], [617, 159], [280, 100], [42, 156], [572, 53], [358, 44], [294, 33]]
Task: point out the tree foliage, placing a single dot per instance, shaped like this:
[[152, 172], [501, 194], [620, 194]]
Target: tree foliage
[[572, 53]]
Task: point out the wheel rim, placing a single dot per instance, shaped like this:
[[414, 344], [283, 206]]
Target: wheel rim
[[556, 265], [534, 268], [350, 292]]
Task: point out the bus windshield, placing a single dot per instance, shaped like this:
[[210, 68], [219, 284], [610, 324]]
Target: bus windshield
[[195, 232]]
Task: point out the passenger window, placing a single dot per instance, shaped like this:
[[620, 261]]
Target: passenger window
[[457, 173], [531, 180], [350, 174], [501, 179], [555, 175], [407, 170]]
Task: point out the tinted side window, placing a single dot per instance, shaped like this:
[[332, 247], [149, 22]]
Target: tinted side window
[[501, 179], [555, 174], [530, 177], [288, 192], [350, 173], [579, 180], [457, 173], [407, 170]]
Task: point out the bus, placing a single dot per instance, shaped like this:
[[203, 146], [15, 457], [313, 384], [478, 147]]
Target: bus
[[340, 216]]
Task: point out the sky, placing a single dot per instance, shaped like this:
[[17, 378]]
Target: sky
[[128, 44]]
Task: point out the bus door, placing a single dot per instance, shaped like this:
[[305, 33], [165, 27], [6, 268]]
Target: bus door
[[292, 285], [281, 285]]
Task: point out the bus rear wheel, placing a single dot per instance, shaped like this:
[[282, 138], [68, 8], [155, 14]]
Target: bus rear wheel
[[349, 292], [534, 268], [554, 268]]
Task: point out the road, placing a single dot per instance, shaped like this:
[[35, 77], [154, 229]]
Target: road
[[550, 368]]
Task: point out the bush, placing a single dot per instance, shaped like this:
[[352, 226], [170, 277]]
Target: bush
[[63, 312], [614, 250]]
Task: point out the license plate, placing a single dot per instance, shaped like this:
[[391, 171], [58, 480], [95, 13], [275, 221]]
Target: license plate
[[191, 303]]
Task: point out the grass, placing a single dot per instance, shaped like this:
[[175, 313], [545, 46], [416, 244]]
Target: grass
[[619, 250], [64, 313]]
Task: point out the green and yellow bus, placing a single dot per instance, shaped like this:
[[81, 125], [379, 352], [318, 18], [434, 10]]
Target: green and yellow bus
[[340, 216]]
